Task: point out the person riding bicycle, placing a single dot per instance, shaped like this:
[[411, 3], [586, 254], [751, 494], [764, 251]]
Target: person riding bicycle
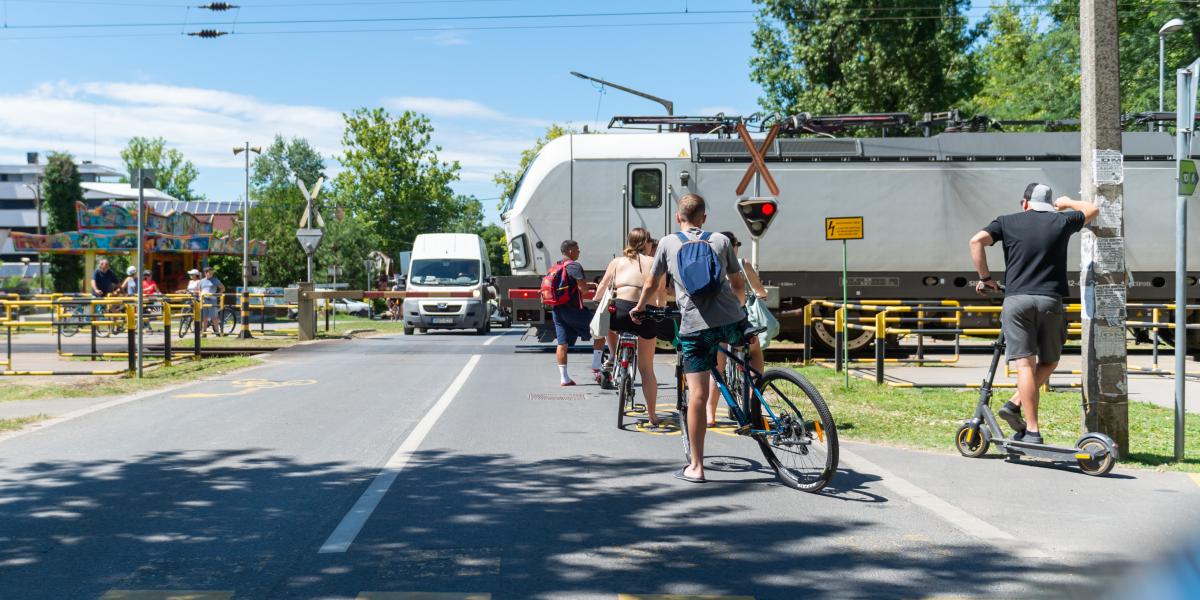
[[130, 285], [711, 315], [1032, 320], [210, 289], [755, 353], [627, 274]]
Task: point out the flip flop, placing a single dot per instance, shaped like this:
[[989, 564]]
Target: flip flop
[[567, 384], [681, 474]]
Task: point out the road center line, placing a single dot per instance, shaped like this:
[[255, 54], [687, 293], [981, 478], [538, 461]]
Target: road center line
[[959, 518], [352, 523]]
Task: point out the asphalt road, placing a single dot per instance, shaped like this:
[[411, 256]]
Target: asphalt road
[[455, 464]]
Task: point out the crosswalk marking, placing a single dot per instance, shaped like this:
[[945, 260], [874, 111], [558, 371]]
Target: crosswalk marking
[[167, 595], [679, 597], [422, 596]]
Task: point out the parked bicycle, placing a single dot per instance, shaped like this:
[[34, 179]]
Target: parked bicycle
[[780, 409]]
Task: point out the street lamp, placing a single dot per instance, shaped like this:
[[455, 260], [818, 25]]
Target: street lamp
[[37, 203], [1167, 29], [246, 242]]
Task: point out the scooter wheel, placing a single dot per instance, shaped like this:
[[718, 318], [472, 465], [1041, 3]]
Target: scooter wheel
[[971, 442], [1099, 467]]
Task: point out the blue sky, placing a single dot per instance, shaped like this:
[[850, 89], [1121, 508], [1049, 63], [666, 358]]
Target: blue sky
[[489, 92]]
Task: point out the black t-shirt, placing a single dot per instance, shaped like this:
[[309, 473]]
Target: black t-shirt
[[1035, 250], [106, 281]]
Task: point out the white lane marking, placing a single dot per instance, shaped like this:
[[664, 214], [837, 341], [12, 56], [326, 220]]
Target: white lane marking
[[492, 340], [963, 520], [83, 412], [352, 523]]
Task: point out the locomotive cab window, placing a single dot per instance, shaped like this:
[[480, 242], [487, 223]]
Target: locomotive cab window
[[647, 188]]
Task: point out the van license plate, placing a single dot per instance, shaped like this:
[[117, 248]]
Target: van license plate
[[442, 320]]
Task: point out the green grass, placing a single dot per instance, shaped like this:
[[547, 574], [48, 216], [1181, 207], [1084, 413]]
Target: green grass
[[19, 422], [123, 384], [928, 418]]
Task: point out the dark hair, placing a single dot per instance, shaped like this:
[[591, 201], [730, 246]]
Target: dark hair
[[567, 246], [1029, 191], [732, 238], [691, 208]]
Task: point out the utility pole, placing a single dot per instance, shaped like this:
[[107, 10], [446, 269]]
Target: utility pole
[[1102, 280]]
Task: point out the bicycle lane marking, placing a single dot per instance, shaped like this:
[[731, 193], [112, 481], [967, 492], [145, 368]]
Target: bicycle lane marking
[[492, 340], [348, 529], [959, 518]]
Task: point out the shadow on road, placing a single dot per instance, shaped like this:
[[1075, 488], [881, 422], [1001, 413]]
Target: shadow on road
[[251, 521]]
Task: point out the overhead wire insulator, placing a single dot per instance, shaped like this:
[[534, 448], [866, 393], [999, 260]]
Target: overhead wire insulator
[[218, 6], [208, 33]]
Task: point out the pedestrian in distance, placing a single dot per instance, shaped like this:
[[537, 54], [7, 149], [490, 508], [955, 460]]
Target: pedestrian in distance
[[711, 307], [104, 280], [1032, 318], [753, 285], [564, 289], [149, 287], [627, 274], [193, 284], [130, 285], [211, 289]]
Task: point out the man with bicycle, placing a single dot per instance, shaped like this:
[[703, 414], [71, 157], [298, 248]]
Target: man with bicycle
[[708, 320], [1032, 320]]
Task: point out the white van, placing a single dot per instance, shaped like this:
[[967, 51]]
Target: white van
[[447, 282]]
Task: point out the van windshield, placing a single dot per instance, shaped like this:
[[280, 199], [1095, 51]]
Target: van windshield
[[445, 271]]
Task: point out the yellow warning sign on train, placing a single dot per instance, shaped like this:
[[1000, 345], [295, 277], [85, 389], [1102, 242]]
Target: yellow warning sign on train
[[844, 228]]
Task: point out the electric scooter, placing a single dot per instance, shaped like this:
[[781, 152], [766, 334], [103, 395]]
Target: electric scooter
[[1095, 453]]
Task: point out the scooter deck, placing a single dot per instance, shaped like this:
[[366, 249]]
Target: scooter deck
[[1046, 451]]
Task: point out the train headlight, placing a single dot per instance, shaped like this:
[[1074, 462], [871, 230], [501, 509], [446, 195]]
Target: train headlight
[[518, 253]]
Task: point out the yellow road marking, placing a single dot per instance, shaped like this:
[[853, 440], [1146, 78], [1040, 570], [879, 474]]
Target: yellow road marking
[[1195, 477], [166, 595], [679, 597], [423, 596], [249, 386]]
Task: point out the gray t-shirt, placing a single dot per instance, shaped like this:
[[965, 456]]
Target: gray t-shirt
[[713, 310]]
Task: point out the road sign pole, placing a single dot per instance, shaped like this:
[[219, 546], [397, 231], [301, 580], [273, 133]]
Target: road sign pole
[[141, 226], [1185, 120], [845, 320]]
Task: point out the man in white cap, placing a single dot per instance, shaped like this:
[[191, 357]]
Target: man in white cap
[[1035, 273]]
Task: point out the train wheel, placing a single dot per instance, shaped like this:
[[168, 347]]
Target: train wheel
[[824, 337]]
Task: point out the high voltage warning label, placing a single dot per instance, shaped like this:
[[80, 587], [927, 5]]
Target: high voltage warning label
[[844, 228]]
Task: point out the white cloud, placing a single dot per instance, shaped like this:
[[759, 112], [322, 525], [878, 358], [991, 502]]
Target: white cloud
[[98, 118], [447, 38], [457, 108]]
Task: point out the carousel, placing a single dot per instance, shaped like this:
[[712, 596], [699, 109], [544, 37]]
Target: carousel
[[174, 242]]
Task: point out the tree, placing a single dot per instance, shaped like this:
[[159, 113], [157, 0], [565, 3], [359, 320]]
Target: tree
[[841, 56], [393, 179], [173, 174], [494, 239], [507, 180], [278, 205], [60, 192], [1028, 70]]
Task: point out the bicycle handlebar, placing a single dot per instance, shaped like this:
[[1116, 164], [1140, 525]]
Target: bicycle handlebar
[[655, 313]]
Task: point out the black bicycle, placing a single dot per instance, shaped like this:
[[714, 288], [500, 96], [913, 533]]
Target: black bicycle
[[624, 375], [780, 409]]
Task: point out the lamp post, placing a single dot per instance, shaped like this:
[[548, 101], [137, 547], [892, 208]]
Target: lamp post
[[37, 203], [245, 301], [1167, 29]]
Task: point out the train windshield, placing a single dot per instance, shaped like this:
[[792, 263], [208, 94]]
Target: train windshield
[[445, 271]]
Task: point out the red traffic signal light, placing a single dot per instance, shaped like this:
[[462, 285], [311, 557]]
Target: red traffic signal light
[[757, 214]]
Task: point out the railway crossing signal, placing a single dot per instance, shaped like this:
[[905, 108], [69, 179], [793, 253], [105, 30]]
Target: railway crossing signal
[[757, 214], [757, 163]]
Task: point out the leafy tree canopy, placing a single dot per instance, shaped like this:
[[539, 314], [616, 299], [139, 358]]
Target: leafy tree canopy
[[278, 205], [173, 173], [60, 192], [842, 56]]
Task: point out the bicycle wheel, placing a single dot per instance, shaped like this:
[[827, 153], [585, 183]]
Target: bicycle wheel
[[802, 447], [619, 383], [681, 409], [74, 314], [185, 325], [229, 320]]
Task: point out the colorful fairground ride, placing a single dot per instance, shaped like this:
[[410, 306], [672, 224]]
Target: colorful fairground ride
[[174, 242]]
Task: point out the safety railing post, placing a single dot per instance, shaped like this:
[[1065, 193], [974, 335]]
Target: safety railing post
[[92, 327], [197, 323], [245, 314], [56, 321], [880, 343], [920, 336], [166, 317], [808, 333], [1155, 314], [131, 325], [839, 330]]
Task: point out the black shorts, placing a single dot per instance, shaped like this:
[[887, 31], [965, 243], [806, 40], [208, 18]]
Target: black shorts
[[621, 323]]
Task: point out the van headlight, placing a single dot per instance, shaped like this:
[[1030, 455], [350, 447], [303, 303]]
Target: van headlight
[[518, 254]]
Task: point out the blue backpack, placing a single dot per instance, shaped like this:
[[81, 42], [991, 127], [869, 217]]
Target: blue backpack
[[699, 269]]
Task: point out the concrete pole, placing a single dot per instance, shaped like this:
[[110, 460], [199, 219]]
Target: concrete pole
[[1185, 123], [1102, 266], [244, 308], [141, 261]]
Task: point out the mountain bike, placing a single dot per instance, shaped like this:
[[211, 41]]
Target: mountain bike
[[780, 409]]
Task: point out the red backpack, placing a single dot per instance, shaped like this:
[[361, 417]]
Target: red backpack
[[557, 285]]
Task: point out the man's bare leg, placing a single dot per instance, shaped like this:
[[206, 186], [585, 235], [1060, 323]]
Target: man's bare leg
[[697, 421], [1042, 374], [1029, 388]]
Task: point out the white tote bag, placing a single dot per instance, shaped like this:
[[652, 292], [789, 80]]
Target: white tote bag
[[600, 320]]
